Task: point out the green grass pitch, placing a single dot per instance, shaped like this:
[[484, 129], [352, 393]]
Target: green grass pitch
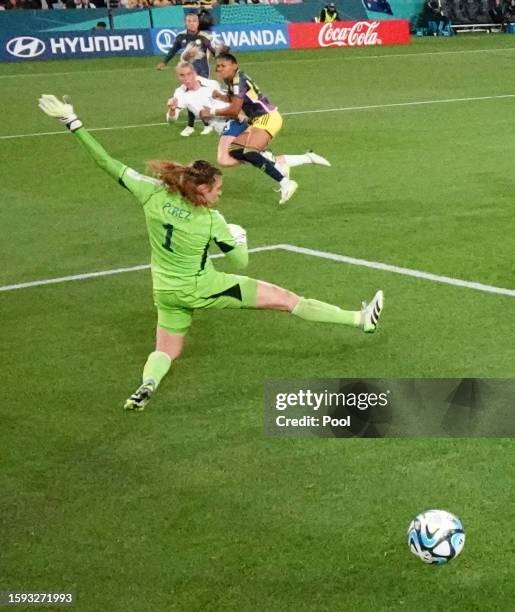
[[188, 506]]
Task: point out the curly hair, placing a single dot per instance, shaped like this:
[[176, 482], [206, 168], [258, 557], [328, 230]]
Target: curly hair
[[185, 179]]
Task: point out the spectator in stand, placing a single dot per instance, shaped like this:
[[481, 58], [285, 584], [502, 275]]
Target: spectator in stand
[[328, 14], [84, 4], [433, 19], [205, 20], [14, 4], [509, 11], [496, 11], [501, 12], [131, 4]]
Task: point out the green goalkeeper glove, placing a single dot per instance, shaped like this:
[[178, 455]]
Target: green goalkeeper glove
[[63, 111]]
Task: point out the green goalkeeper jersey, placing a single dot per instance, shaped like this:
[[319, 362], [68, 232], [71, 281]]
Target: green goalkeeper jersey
[[179, 232]]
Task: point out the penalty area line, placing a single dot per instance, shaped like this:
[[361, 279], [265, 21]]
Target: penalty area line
[[77, 277], [353, 261], [376, 265], [396, 104]]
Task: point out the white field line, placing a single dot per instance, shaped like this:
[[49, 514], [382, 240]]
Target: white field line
[[287, 114], [76, 277], [319, 59], [394, 104], [376, 265], [101, 129]]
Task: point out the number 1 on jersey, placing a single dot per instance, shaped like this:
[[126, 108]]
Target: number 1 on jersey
[[167, 244]]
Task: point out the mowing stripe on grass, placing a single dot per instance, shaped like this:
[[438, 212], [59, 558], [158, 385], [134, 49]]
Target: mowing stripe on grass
[[321, 58], [353, 261], [287, 114], [376, 265], [76, 277]]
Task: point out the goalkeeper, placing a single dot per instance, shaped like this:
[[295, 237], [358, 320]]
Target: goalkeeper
[[181, 223]]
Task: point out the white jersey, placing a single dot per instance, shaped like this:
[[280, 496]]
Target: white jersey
[[196, 100]]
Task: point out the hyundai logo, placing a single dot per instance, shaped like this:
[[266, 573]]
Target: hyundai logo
[[25, 47], [165, 40]]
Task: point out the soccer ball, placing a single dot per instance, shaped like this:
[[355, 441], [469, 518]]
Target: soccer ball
[[436, 536]]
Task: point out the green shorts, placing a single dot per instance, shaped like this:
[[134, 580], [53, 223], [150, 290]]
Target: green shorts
[[213, 290]]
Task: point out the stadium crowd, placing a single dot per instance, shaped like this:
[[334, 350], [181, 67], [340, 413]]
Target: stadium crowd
[[127, 4]]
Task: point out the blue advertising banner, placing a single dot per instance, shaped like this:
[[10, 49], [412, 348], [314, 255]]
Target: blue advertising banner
[[163, 39], [257, 37], [67, 45]]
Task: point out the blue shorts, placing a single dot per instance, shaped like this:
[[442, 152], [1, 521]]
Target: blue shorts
[[234, 128], [202, 67]]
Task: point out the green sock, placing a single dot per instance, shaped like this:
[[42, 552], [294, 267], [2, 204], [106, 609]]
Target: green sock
[[158, 364], [313, 310]]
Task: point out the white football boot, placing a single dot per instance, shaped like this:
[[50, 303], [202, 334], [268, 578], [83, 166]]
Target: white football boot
[[371, 312], [187, 131], [318, 159], [288, 188]]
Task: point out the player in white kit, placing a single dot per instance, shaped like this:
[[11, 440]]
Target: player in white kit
[[196, 93]]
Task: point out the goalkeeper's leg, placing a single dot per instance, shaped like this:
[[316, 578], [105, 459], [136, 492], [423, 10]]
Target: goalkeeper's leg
[[169, 346], [233, 291], [272, 297]]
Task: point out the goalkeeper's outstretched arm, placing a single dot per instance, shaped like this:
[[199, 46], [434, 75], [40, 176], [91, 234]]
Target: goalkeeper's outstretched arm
[[113, 167], [231, 239], [64, 111]]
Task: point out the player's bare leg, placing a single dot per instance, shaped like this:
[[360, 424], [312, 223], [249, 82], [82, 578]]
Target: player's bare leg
[[248, 147], [222, 156]]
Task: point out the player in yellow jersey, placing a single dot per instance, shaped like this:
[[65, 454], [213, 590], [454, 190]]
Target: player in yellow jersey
[[245, 99], [181, 224], [196, 93]]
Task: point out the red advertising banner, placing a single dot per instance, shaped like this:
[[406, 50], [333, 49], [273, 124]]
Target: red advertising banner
[[348, 34]]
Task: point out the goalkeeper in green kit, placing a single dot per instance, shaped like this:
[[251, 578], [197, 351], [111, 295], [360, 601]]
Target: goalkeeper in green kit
[[181, 224]]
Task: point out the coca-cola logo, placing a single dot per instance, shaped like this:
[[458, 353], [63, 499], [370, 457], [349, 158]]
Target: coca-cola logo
[[359, 34]]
